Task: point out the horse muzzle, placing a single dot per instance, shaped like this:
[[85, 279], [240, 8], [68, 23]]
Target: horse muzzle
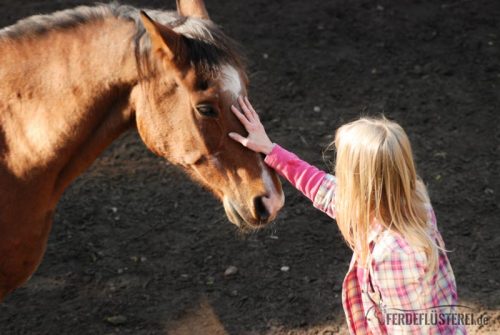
[[263, 210]]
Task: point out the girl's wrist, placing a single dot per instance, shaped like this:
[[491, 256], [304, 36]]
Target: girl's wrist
[[267, 150]]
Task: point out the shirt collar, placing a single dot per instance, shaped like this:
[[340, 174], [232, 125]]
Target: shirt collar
[[375, 231]]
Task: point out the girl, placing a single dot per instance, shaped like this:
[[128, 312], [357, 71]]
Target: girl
[[400, 280]]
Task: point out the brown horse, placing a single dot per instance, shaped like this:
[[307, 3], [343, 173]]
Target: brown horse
[[73, 81]]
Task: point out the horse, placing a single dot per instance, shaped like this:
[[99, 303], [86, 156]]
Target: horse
[[74, 80]]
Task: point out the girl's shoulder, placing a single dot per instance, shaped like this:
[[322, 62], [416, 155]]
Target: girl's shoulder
[[389, 241]]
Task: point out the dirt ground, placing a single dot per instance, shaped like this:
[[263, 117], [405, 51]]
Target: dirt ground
[[137, 248]]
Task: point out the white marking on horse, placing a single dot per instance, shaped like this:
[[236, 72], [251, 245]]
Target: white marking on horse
[[266, 177], [274, 200], [231, 80]]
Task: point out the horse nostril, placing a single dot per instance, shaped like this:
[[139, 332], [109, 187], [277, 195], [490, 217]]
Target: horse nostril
[[261, 211]]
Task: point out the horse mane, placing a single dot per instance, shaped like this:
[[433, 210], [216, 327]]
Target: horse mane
[[208, 45]]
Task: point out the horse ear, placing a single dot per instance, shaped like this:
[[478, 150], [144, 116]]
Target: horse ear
[[164, 39], [193, 8]]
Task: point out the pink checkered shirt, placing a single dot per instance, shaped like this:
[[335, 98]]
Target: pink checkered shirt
[[392, 295]]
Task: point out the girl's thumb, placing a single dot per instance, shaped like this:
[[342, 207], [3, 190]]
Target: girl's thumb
[[238, 138]]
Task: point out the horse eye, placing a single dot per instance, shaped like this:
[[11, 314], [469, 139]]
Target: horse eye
[[207, 110]]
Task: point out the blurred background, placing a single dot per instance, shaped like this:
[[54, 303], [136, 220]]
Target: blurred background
[[137, 248]]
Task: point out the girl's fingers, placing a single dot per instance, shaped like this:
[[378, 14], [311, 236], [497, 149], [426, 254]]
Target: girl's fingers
[[240, 116], [245, 109], [238, 138], [252, 110]]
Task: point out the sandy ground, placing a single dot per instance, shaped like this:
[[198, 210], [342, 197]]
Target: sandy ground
[[137, 248]]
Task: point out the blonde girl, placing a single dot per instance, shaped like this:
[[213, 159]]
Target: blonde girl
[[400, 280]]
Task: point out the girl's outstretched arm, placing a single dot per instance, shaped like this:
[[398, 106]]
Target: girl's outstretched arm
[[312, 182]]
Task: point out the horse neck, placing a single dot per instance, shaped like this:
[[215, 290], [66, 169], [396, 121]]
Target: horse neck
[[73, 103]]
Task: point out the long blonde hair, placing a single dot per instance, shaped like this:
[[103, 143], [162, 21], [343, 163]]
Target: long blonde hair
[[377, 180]]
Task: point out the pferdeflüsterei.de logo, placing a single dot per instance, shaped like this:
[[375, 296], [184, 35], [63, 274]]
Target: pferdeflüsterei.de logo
[[432, 316]]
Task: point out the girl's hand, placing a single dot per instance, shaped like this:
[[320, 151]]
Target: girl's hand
[[257, 139]]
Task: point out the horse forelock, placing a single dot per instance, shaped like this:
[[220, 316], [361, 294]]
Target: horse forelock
[[209, 48]]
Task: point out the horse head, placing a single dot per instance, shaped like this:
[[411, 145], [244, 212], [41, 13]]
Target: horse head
[[191, 76]]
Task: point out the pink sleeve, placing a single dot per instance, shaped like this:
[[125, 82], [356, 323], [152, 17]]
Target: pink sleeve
[[305, 177]]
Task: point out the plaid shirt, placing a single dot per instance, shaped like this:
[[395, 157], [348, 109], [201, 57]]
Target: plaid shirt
[[381, 298]]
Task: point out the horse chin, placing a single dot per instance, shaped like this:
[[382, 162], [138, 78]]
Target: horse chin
[[237, 219]]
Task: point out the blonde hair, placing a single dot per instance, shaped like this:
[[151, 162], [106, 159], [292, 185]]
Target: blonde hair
[[377, 180]]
